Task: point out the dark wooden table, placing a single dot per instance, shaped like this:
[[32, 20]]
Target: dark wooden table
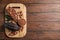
[[43, 19]]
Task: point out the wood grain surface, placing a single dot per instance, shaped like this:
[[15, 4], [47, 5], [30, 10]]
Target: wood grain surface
[[43, 19]]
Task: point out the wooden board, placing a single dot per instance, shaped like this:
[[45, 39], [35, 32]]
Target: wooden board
[[23, 9], [43, 18]]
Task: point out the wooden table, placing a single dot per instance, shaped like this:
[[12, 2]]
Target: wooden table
[[43, 19]]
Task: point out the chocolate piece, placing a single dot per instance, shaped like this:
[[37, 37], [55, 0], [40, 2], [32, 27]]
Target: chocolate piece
[[21, 22]]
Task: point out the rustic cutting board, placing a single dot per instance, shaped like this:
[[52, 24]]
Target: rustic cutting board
[[17, 7]]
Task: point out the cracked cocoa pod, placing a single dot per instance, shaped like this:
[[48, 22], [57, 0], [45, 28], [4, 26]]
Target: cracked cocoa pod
[[12, 26]]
